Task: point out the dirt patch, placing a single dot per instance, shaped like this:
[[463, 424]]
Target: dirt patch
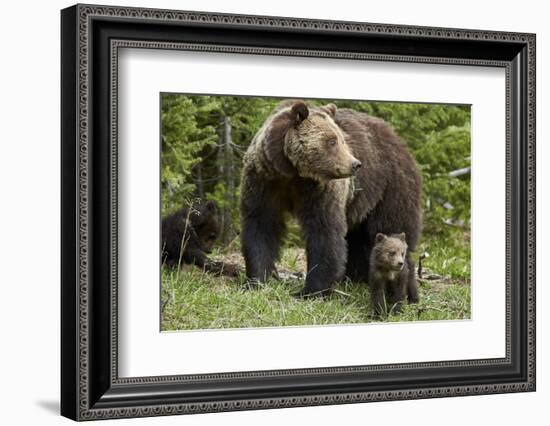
[[437, 281], [292, 265]]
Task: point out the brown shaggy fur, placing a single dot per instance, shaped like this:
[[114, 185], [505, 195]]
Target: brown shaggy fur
[[188, 235], [301, 162], [388, 272]]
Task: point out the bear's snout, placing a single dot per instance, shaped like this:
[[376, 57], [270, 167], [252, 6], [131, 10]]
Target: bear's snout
[[398, 265], [356, 165]]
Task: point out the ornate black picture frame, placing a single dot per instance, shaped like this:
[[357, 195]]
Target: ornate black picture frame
[[91, 36]]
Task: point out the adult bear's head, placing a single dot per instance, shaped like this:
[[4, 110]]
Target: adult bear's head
[[305, 141]]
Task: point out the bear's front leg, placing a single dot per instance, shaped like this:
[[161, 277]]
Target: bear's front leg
[[324, 226], [262, 228], [261, 238], [377, 287], [399, 290], [262, 231]]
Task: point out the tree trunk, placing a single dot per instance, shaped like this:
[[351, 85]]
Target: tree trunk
[[199, 181], [229, 180]]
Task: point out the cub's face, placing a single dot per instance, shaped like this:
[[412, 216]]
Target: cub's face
[[207, 226], [390, 251], [316, 147]]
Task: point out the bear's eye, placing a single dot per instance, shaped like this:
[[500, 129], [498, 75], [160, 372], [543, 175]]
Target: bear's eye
[[212, 237], [332, 142], [392, 253]]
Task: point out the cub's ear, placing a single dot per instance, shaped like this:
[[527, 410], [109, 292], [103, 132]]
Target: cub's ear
[[380, 237], [402, 237], [211, 207], [330, 109], [274, 137]]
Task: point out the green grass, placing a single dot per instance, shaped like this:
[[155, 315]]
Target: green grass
[[193, 299], [449, 254]]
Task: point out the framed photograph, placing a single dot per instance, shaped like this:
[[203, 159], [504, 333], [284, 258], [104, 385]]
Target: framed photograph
[[263, 212]]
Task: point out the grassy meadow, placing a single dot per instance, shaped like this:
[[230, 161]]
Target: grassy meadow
[[193, 299]]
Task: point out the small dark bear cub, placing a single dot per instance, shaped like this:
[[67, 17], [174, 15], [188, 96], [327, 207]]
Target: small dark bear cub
[[189, 234], [388, 272]]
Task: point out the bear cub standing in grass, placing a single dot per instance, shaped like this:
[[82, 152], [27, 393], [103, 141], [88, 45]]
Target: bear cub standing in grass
[[195, 230], [388, 273]]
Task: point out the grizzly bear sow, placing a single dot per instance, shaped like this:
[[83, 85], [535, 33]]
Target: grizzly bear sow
[[344, 175], [388, 272]]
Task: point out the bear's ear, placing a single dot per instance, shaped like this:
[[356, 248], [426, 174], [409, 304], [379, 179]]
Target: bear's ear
[[402, 237], [299, 112], [380, 237], [330, 109], [211, 207]]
